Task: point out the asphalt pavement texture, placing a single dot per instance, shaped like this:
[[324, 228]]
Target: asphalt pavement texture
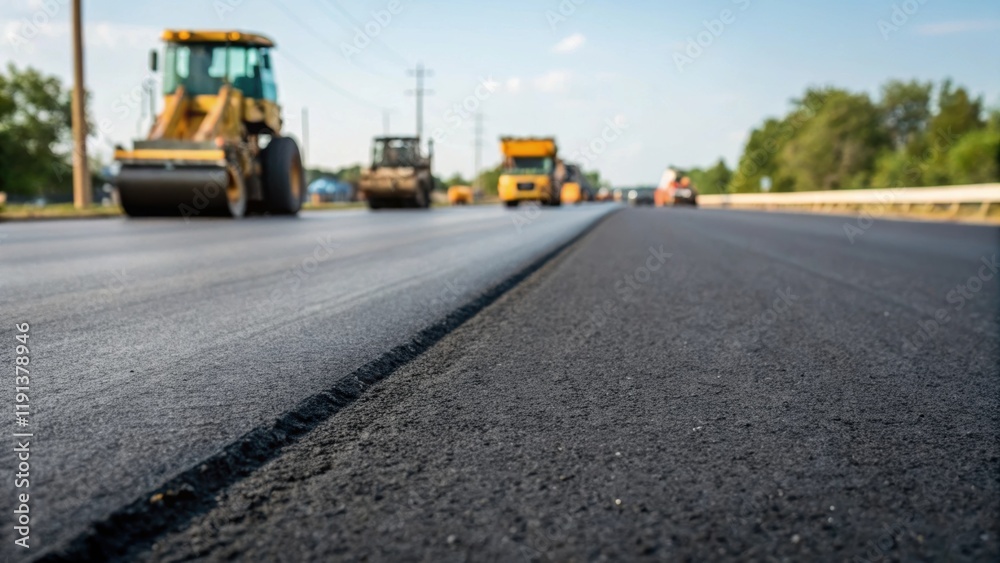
[[676, 385], [156, 344]]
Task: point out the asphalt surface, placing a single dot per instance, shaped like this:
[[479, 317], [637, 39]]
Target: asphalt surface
[[765, 392], [157, 343]]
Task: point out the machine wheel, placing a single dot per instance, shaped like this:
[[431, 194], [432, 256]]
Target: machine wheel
[[511, 204], [374, 203], [420, 199], [284, 180]]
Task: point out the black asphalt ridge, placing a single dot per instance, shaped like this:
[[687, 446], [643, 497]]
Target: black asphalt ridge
[[765, 394]]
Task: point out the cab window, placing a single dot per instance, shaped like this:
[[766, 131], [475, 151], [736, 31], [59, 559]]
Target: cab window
[[268, 86]]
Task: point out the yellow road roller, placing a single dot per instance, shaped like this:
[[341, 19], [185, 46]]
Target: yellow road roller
[[216, 149]]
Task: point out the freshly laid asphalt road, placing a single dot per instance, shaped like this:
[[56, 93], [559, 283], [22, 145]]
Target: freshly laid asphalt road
[[154, 343], [763, 393], [676, 385]]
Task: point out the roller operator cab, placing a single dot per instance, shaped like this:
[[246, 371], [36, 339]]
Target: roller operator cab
[[217, 147], [400, 174], [530, 171]]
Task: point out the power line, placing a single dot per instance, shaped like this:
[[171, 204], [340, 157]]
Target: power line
[[312, 31], [420, 73], [308, 70], [400, 59]]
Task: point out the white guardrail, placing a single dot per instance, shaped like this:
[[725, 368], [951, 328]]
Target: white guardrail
[[948, 199]]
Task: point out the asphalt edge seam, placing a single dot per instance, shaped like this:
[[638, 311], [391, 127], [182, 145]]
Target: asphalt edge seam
[[133, 529]]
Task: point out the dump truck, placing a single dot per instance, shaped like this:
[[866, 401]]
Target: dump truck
[[531, 171], [576, 187], [217, 147], [400, 176]]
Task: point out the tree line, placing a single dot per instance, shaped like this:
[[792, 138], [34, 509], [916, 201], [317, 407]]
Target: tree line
[[915, 134]]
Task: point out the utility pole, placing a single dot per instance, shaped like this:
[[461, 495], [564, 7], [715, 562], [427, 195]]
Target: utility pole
[[83, 194], [420, 73], [305, 135], [385, 121], [479, 153]]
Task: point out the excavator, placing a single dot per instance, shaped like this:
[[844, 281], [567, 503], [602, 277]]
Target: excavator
[[217, 148]]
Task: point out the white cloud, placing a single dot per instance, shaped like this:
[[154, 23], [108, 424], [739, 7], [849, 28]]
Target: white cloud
[[553, 81], [570, 44], [967, 26], [514, 85]]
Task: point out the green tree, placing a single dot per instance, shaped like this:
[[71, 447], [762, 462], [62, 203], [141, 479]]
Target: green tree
[[838, 146], [897, 169], [958, 114], [760, 157], [594, 179], [35, 133], [349, 174], [906, 110], [489, 179], [456, 179], [313, 174], [975, 158], [714, 180]]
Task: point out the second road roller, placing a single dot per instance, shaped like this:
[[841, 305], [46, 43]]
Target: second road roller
[[217, 148]]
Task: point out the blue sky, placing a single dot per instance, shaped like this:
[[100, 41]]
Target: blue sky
[[594, 73]]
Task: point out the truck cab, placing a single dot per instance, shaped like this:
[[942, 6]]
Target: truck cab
[[530, 171]]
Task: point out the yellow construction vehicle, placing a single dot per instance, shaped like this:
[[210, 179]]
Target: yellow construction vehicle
[[460, 195], [530, 171], [571, 193], [400, 175], [217, 147], [576, 187]]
